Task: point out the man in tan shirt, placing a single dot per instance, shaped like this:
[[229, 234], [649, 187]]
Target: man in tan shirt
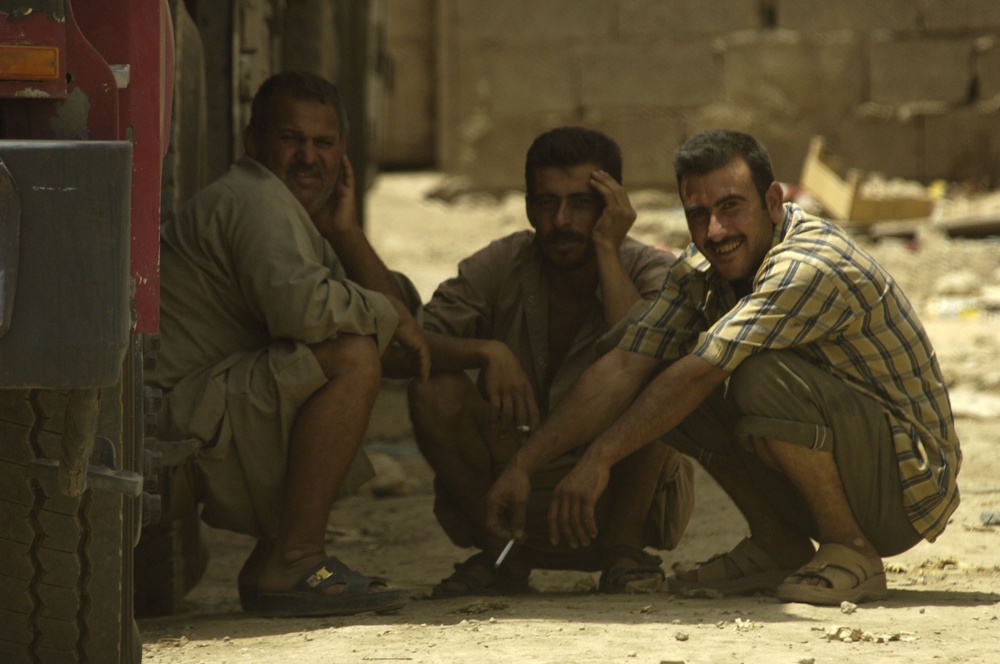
[[531, 312], [276, 312]]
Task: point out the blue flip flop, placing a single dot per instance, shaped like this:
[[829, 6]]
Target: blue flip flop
[[309, 599]]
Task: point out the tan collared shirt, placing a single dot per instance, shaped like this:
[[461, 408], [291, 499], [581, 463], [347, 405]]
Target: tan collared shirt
[[244, 265], [501, 293]]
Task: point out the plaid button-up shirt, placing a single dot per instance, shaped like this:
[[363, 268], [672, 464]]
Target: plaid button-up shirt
[[821, 295]]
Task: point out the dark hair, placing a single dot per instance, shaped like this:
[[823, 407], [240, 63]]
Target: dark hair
[[709, 150], [299, 85], [570, 146]]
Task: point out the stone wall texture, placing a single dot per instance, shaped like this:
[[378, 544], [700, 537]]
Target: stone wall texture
[[910, 88]]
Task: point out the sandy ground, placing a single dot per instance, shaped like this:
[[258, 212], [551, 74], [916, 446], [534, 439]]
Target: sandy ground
[[944, 602]]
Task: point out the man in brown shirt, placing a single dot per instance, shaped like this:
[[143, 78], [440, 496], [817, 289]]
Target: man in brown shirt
[[531, 312], [276, 312]]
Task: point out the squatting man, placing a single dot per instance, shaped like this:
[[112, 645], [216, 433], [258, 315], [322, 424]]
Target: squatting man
[[531, 311]]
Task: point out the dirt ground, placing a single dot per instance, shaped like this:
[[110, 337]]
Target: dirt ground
[[944, 601]]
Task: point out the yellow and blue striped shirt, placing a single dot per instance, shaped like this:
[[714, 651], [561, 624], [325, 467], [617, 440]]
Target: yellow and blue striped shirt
[[820, 294]]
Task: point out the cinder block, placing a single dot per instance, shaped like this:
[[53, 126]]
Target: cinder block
[[648, 138], [409, 19], [508, 82], [964, 145], [923, 70], [679, 17], [976, 15], [521, 81], [721, 115], [523, 21], [785, 74], [788, 146], [860, 15], [493, 161], [988, 72], [409, 105], [666, 74], [891, 146]]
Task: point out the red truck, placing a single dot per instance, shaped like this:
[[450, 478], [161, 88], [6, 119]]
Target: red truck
[[86, 94], [85, 99]]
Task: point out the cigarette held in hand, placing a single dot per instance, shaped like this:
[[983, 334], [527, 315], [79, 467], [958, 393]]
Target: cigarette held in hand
[[503, 554]]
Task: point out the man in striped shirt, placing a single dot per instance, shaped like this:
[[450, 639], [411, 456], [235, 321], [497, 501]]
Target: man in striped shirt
[[789, 363]]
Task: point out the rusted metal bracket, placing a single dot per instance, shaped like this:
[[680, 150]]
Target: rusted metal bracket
[[86, 460]]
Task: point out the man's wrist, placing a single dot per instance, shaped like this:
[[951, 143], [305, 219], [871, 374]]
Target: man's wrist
[[335, 231], [601, 453], [525, 460], [607, 244], [486, 352]]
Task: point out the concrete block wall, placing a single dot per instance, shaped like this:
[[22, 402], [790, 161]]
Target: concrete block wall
[[907, 87], [408, 140]]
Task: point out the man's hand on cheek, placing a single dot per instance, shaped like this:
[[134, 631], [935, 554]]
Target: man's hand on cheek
[[618, 216], [339, 213]]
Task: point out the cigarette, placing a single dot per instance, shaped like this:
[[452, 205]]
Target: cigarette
[[522, 428], [503, 554]]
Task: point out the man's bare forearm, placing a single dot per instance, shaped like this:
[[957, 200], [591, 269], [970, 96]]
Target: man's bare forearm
[[600, 394], [617, 290], [664, 403], [457, 354]]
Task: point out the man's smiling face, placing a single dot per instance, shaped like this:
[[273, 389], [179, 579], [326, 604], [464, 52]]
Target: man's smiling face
[[728, 222]]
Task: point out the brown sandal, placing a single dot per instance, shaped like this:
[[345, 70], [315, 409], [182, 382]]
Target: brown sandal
[[479, 577], [755, 572], [852, 578], [646, 576]]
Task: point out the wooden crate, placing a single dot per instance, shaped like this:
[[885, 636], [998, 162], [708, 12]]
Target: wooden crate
[[842, 198]]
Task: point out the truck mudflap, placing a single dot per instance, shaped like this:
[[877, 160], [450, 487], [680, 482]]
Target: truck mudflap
[[10, 243], [66, 289]]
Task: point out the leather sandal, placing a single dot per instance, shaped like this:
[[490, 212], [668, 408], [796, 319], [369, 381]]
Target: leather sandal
[[646, 576], [755, 570], [852, 578], [309, 599], [476, 576]]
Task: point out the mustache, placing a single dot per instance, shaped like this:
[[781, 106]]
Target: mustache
[[564, 236], [314, 170]]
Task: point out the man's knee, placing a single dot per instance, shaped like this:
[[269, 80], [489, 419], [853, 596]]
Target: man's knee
[[443, 397], [763, 380], [351, 355]]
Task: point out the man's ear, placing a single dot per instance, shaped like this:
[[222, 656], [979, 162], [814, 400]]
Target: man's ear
[[528, 213], [250, 142], [774, 200]]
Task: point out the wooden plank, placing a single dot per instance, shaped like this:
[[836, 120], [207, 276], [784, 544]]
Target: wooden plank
[[898, 228], [980, 225], [833, 193], [970, 226]]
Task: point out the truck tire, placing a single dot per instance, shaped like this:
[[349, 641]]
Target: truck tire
[[65, 562]]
